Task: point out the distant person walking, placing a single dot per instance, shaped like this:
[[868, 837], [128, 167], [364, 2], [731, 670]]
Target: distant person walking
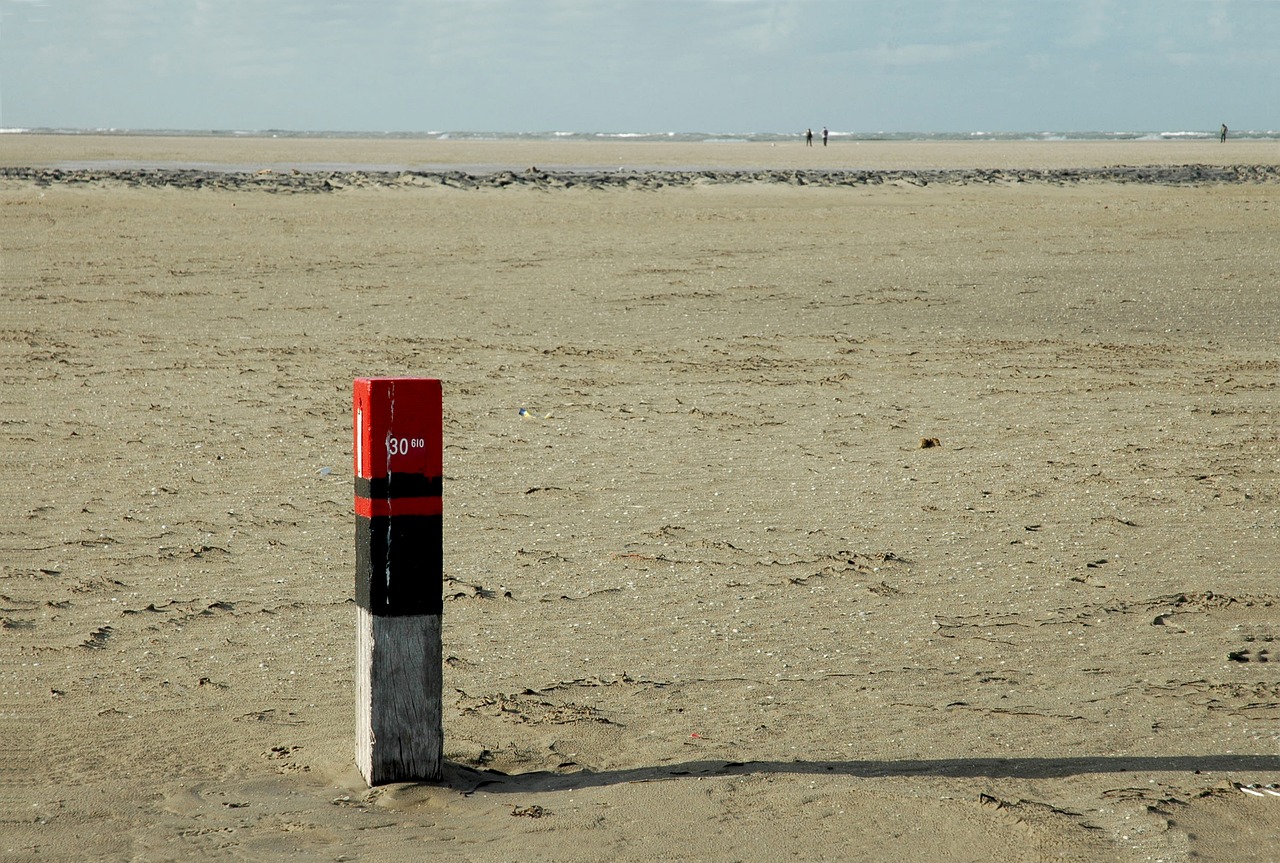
[[808, 137], [1222, 136], [824, 136]]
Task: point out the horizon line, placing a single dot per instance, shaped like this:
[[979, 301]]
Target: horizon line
[[446, 134]]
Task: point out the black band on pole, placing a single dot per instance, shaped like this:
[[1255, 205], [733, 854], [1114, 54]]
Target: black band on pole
[[398, 485], [408, 546]]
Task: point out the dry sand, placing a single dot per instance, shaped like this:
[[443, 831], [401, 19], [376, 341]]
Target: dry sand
[[717, 603]]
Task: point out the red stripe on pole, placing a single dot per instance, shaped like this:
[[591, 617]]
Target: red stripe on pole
[[379, 507]]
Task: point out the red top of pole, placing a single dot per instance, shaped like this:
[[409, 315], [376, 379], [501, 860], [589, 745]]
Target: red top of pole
[[398, 451]]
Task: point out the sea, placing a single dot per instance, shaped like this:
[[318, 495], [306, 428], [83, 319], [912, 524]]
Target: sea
[[675, 137]]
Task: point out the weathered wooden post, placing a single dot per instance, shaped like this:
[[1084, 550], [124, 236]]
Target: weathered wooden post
[[399, 566]]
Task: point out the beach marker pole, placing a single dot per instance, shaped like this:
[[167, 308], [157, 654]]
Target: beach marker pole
[[398, 457]]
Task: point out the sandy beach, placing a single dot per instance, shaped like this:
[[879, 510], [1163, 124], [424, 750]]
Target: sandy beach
[[711, 599], [255, 153]]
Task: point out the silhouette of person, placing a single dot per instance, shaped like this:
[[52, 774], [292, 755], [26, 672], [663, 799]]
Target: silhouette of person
[[1222, 136], [808, 137], [824, 136]]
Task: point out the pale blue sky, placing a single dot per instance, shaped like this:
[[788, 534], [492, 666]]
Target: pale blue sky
[[641, 65]]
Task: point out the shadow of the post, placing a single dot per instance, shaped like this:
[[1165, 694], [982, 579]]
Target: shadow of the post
[[467, 779]]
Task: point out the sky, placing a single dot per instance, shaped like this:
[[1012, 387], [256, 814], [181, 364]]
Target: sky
[[641, 65]]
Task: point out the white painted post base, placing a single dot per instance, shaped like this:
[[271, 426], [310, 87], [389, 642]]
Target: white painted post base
[[399, 730]]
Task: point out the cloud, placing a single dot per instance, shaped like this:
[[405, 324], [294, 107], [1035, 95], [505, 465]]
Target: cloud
[[768, 28], [1092, 24], [927, 53], [1219, 22]]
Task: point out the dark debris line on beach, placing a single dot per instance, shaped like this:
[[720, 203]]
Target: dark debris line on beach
[[330, 181]]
